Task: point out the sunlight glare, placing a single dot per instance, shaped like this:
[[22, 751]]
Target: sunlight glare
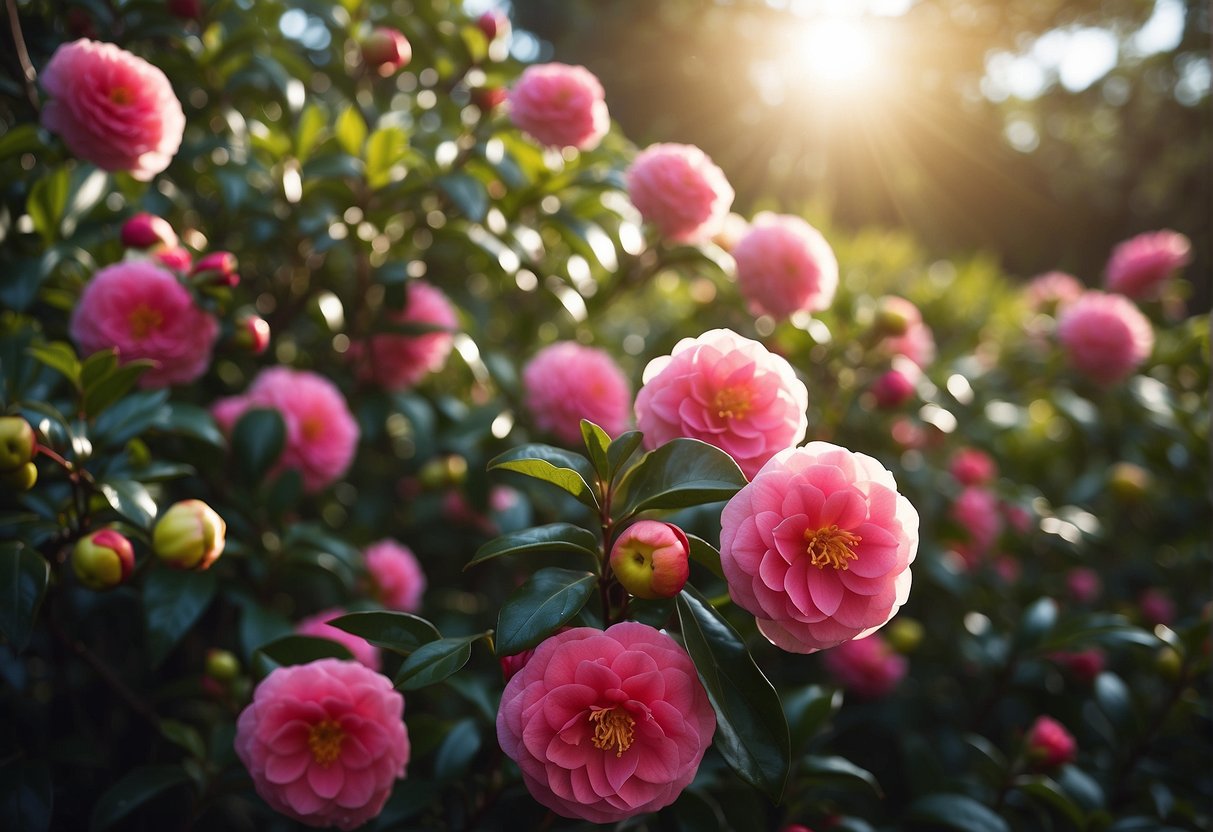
[[837, 50]]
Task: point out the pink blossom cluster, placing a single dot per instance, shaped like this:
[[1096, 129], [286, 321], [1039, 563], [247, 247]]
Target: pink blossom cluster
[[566, 382], [395, 361], [1105, 336], [560, 106]]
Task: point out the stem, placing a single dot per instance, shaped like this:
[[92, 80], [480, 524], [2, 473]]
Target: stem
[[29, 76]]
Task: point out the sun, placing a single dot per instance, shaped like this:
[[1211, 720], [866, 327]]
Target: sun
[[838, 51]]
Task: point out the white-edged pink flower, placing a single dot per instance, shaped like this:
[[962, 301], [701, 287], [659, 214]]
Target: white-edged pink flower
[[399, 582], [725, 390], [560, 106], [784, 266], [318, 626], [566, 382], [145, 312], [1140, 265], [1105, 336], [398, 361], [111, 108], [818, 547], [678, 189]]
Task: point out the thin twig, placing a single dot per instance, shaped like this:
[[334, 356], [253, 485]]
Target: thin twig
[[27, 67]]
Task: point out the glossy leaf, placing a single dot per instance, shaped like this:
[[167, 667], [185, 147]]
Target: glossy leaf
[[621, 450], [706, 555], [467, 193], [681, 473], [257, 442], [433, 662], [23, 578], [60, 357], [399, 632], [540, 606], [839, 770], [564, 469], [459, 747], [115, 384], [130, 499], [297, 649], [554, 537], [173, 600], [955, 811], [597, 442]]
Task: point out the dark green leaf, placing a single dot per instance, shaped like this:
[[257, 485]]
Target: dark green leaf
[[468, 194], [189, 420], [173, 600], [1046, 792], [293, 649], [113, 386], [751, 731], [1037, 622], [596, 444], [184, 735], [807, 710], [838, 770], [1113, 698], [60, 357], [257, 442], [23, 577], [47, 201], [681, 473], [537, 608], [433, 662], [621, 450], [399, 632], [22, 138], [705, 554], [123, 421], [133, 790], [1082, 787], [26, 795], [87, 187], [562, 468], [130, 499], [955, 811], [457, 751], [97, 366], [554, 537]]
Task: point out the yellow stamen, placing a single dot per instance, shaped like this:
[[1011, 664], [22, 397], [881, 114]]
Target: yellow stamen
[[143, 320], [312, 428], [325, 741], [831, 546], [121, 95], [613, 728], [732, 403]]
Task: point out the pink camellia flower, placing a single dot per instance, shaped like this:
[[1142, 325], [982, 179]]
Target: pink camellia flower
[[111, 108], [1049, 744], [386, 50], [217, 268], [510, 665], [1007, 568], [1156, 607], [1083, 584], [566, 382], [318, 626], [494, 24], [867, 667], [678, 189], [973, 467], [146, 230], [177, 258], [1105, 336], [321, 434], [784, 265], [1018, 518], [560, 106], [915, 341], [606, 725], [818, 547], [651, 559], [1140, 266], [892, 389], [725, 390], [146, 313], [1083, 665], [1050, 291], [976, 510], [324, 742], [397, 575], [397, 361]]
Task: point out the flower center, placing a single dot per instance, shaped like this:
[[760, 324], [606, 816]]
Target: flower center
[[325, 741], [613, 728], [312, 427], [143, 319], [732, 403], [121, 95], [831, 546]]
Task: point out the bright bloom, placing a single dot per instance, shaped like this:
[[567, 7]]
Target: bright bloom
[[145, 230], [976, 510], [818, 547], [111, 108], [146, 313], [566, 382], [916, 341], [394, 361], [784, 265], [1105, 336], [1049, 744], [396, 574], [321, 434], [560, 106], [678, 189], [651, 559], [1050, 291], [973, 467], [725, 390], [318, 626], [1140, 266], [324, 742], [867, 667], [606, 725], [892, 389]]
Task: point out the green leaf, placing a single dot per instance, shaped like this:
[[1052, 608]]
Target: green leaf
[[564, 469], [293, 649], [1108, 629], [433, 662], [955, 811], [1112, 695], [184, 735], [807, 710], [1046, 792], [838, 770], [681, 473], [705, 554], [751, 731], [1082, 787], [384, 150], [554, 537], [457, 751], [468, 193], [86, 188], [23, 577], [257, 442], [399, 632], [22, 138], [597, 442], [60, 357], [1037, 622], [311, 122], [97, 366], [351, 131], [111, 387], [132, 791], [127, 418], [621, 450], [130, 499], [541, 605], [47, 202], [191, 421], [173, 600]]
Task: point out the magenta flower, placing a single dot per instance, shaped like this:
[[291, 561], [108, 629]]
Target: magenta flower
[[566, 382], [1105, 337], [321, 434], [606, 725], [324, 742], [1140, 266], [973, 467], [146, 313], [725, 390], [560, 106], [784, 265], [1050, 291], [867, 667], [818, 547], [678, 189], [892, 389], [111, 108], [397, 361], [1049, 744], [397, 576], [318, 626], [1083, 584], [977, 511], [145, 230]]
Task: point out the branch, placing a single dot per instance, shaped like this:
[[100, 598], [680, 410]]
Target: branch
[[29, 76]]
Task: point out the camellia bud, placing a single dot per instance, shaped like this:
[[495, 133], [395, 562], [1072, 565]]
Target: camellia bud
[[18, 444], [386, 50], [146, 230], [21, 478], [186, 9], [252, 333], [892, 390], [176, 258], [904, 634], [1049, 744], [221, 665], [103, 560], [494, 25], [190, 535], [217, 268], [652, 559], [890, 319], [1128, 482], [489, 98]]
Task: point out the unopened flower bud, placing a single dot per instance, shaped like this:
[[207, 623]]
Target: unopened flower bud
[[252, 333], [175, 257], [217, 269], [652, 559], [221, 665], [1128, 483], [18, 444], [103, 559], [892, 390], [186, 9], [386, 50], [1049, 744], [146, 230], [489, 98], [494, 25], [905, 634], [890, 319], [190, 535]]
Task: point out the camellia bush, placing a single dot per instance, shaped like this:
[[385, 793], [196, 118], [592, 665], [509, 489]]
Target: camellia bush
[[388, 443]]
